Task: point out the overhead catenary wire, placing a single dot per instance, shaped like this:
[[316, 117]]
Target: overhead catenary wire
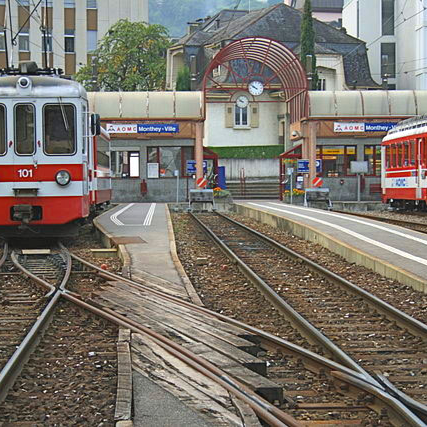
[[386, 22], [38, 20]]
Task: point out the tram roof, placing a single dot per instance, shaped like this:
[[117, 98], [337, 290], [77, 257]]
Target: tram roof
[[41, 86], [149, 105], [368, 103]]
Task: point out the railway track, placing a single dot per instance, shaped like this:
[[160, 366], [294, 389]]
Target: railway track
[[379, 338], [329, 389]]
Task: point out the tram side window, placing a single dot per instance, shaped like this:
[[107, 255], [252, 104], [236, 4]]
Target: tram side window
[[413, 152], [399, 158], [24, 129], [2, 129], [393, 156], [405, 153], [59, 129], [387, 156], [423, 152]]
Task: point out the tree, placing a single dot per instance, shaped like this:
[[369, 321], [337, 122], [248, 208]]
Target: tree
[[183, 79], [307, 43], [130, 57]]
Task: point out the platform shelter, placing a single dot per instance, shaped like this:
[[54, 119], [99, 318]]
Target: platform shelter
[[344, 127], [156, 143]]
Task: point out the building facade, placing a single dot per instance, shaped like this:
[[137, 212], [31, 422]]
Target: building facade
[[73, 28], [395, 32], [329, 11]]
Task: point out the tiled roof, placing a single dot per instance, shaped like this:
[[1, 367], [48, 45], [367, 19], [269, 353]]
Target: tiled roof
[[283, 23]]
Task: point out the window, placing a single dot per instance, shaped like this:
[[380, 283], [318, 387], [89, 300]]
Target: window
[[24, 42], [170, 159], [387, 17], [321, 84], [69, 41], [91, 4], [47, 42], [372, 155], [24, 129], [59, 129], [336, 159], [388, 60], [92, 40], [70, 3], [125, 164], [2, 129], [23, 2], [2, 43], [412, 152], [241, 116]]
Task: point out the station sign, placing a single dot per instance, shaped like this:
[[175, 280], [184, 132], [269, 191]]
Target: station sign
[[143, 128], [302, 166], [363, 127], [158, 128], [191, 167]]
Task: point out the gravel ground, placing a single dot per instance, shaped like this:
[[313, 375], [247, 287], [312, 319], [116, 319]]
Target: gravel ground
[[71, 378], [412, 302], [221, 288]]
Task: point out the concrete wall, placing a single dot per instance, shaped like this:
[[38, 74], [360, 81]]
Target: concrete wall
[[254, 168], [159, 190]]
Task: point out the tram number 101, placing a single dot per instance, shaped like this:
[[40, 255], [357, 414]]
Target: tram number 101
[[25, 173]]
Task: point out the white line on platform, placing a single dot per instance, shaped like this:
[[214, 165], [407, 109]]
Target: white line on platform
[[150, 214], [363, 222], [147, 220], [351, 233], [115, 215]]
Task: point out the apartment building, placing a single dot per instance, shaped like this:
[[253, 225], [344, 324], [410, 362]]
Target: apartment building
[[395, 32], [329, 11], [73, 28]]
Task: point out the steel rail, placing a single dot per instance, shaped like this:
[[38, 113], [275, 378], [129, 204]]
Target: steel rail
[[261, 407], [301, 323], [269, 341], [28, 273], [15, 364], [66, 254], [264, 409], [5, 252], [401, 318]]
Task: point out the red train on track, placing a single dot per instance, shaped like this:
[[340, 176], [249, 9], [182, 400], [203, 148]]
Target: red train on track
[[54, 156], [404, 165]]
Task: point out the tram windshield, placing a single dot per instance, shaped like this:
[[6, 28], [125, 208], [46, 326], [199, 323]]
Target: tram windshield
[[2, 129], [59, 129], [24, 129]]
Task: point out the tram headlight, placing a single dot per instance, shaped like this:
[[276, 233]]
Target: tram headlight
[[62, 178]]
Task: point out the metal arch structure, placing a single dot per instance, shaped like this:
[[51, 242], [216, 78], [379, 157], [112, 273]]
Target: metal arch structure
[[259, 58]]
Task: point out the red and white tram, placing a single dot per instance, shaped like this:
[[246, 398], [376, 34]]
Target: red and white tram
[[54, 169], [404, 165]]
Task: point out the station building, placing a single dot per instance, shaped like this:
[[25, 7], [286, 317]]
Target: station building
[[155, 135]]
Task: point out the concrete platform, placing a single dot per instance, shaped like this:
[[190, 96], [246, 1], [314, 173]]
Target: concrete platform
[[143, 234], [391, 251]]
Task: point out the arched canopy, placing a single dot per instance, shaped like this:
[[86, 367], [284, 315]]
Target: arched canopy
[[264, 59]]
